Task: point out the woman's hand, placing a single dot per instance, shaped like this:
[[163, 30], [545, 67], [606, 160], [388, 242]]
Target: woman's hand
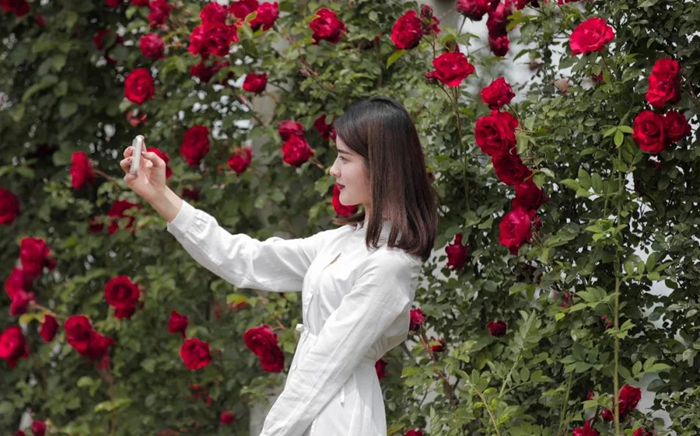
[[149, 182]]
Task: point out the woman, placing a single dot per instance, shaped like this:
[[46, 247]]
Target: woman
[[357, 281]]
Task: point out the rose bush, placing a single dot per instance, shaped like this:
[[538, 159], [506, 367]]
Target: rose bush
[[556, 226]]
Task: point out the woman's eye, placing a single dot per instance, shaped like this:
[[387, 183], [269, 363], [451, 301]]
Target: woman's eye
[[342, 158]]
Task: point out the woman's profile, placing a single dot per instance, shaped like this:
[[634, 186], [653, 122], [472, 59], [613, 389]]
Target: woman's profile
[[357, 281]]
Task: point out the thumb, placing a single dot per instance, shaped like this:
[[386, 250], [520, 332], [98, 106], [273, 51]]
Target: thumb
[[154, 158]]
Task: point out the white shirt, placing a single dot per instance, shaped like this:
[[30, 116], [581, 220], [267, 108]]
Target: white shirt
[[355, 304]]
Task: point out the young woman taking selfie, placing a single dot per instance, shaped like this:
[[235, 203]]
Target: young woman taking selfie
[[357, 280]]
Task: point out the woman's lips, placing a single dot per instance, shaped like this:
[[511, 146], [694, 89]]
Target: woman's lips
[[340, 187]]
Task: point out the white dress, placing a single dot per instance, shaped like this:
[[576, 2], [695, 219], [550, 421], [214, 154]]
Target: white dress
[[355, 303]]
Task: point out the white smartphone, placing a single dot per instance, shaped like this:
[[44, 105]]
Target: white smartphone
[[139, 147]]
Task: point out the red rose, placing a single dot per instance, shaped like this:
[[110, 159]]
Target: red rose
[[261, 338], [177, 323], [325, 130], [9, 207], [629, 398], [590, 36], [290, 128], [113, 3], [407, 31], [664, 83], [122, 294], [17, 7], [17, 281], [160, 12], [98, 346], [81, 170], [20, 433], [272, 360], [140, 2], [497, 328], [219, 38], [499, 45], [456, 253], [34, 255], [677, 126], [98, 41], [39, 428], [116, 213], [227, 417], [451, 68], [515, 230], [586, 430], [255, 82], [78, 331], [528, 196], [641, 432], [190, 194], [431, 24], [473, 9], [195, 145], [243, 8], [20, 302], [649, 132], [296, 151], [414, 433], [166, 158], [205, 72], [339, 208], [416, 320], [327, 26], [152, 46], [436, 345], [139, 86], [266, 16], [195, 354], [13, 345], [497, 23], [498, 93], [510, 169], [240, 160], [48, 328], [380, 368], [213, 13], [495, 133]]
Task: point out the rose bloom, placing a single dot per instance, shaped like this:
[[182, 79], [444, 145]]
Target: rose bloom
[[242, 8], [17, 281], [17, 7], [152, 46], [417, 318], [495, 133], [34, 255], [195, 354], [515, 230], [255, 82], [510, 169], [641, 432], [413, 433], [20, 302], [499, 45], [98, 41], [325, 130], [296, 151], [139, 86], [9, 207], [407, 31], [591, 35], [227, 417], [339, 208], [649, 132], [499, 93], [261, 338], [431, 24], [116, 213], [166, 158], [81, 170], [451, 68], [13, 345], [213, 13], [327, 26], [528, 196], [473, 9], [629, 398], [195, 145], [497, 328], [664, 83], [272, 359], [586, 430], [177, 323], [240, 160], [98, 347], [497, 23], [49, 328], [267, 14], [380, 368], [677, 126], [39, 428], [456, 253], [140, 2], [160, 12], [205, 72], [122, 294], [289, 128], [78, 331]]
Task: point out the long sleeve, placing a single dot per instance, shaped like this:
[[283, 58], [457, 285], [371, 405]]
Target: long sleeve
[[276, 264], [381, 294]]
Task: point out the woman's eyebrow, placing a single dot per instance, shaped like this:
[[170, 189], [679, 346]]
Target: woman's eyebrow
[[342, 151]]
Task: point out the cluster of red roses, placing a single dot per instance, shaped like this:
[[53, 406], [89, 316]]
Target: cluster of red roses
[[33, 256], [629, 398], [262, 341], [417, 318], [654, 132], [195, 353], [409, 29], [38, 429]]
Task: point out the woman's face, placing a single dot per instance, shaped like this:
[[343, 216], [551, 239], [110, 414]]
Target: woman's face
[[350, 172]]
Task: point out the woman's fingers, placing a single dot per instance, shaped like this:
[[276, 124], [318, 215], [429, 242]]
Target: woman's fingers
[[125, 164], [129, 151], [154, 159]]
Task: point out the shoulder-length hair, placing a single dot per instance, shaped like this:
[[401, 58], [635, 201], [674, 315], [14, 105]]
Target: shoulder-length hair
[[381, 131]]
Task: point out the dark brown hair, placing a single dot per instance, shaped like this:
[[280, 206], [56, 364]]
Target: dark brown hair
[[381, 131]]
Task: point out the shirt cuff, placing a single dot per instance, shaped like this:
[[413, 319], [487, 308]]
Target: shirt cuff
[[183, 220]]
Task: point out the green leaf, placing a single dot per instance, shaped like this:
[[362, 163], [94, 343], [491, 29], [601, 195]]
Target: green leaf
[[394, 57], [619, 137], [67, 109]]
